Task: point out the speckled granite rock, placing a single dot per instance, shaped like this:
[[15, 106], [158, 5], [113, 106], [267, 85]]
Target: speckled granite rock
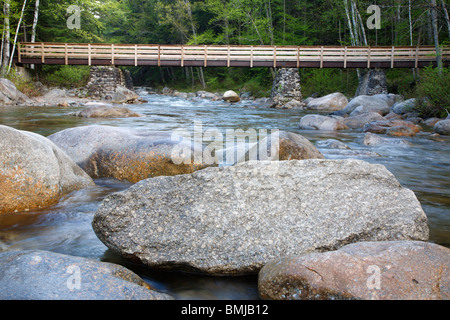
[[42, 275], [233, 220], [126, 154], [34, 172], [384, 270]]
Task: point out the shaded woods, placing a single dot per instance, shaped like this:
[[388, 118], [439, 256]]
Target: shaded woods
[[233, 22]]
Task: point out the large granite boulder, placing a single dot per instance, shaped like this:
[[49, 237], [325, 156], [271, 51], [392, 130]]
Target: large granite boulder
[[442, 127], [235, 219], [125, 153], [34, 172], [404, 107], [384, 270], [43, 275], [332, 102], [231, 96], [368, 104]]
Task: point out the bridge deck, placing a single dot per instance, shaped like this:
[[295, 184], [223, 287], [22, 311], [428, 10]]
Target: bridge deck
[[229, 56]]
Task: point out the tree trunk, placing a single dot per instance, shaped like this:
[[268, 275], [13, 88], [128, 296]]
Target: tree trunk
[[447, 18], [35, 22], [350, 27], [6, 46], [434, 22], [15, 37]]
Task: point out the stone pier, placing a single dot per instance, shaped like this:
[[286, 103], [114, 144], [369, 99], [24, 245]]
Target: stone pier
[[110, 83], [286, 88]]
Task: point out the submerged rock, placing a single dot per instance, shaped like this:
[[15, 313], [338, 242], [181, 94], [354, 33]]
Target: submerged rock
[[125, 153], [358, 121], [371, 139], [235, 219], [384, 270], [102, 110], [34, 172], [384, 125], [43, 275], [332, 144], [319, 122]]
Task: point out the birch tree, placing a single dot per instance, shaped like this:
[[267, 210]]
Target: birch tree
[[15, 36], [434, 23], [7, 35]]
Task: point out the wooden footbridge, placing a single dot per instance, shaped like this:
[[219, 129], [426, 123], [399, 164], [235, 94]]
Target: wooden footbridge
[[229, 56]]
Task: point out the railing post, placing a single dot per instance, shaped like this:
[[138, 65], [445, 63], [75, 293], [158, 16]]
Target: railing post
[[321, 57], [251, 57], [392, 57], [42, 52], [298, 57], [182, 56], [89, 54], [112, 54], [416, 64], [275, 56], [368, 57], [205, 63], [228, 57], [135, 55], [345, 57], [66, 54], [159, 56]]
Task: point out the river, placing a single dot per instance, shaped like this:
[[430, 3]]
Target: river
[[66, 228]]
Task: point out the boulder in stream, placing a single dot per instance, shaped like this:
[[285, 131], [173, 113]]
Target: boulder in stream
[[382, 270], [34, 172], [44, 275], [126, 154], [233, 220]]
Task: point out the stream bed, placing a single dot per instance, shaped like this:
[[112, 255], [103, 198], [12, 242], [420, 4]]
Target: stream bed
[[423, 166]]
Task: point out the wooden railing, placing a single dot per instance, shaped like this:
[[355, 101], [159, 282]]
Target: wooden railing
[[249, 56]]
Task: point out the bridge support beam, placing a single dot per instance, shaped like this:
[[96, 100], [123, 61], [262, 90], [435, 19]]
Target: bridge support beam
[[372, 82], [286, 87], [110, 83]]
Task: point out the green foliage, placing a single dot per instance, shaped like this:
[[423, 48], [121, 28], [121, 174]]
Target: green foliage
[[325, 81], [66, 76], [433, 93], [22, 84]]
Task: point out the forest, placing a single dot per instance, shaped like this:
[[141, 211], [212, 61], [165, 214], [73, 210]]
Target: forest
[[228, 22]]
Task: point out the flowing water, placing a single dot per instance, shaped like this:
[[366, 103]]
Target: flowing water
[[66, 228]]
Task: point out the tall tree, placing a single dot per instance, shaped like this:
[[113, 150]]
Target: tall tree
[[7, 32]]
